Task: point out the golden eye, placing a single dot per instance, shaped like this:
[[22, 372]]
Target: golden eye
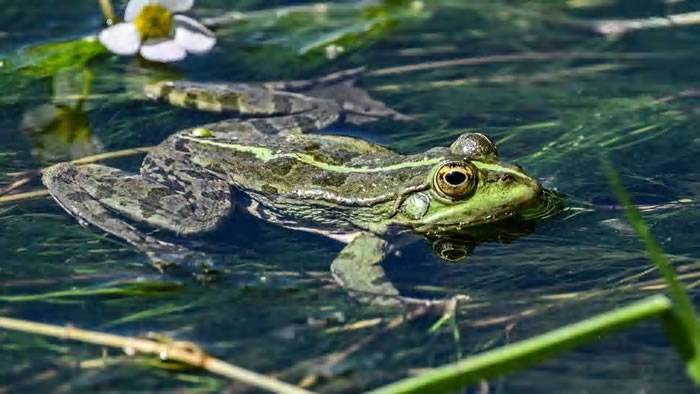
[[455, 180]]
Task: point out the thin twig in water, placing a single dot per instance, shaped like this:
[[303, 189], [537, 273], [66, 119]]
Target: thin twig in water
[[618, 27], [24, 196], [108, 12], [183, 352], [14, 185], [24, 177], [508, 58]]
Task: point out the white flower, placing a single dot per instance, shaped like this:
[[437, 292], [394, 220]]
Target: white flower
[[152, 29]]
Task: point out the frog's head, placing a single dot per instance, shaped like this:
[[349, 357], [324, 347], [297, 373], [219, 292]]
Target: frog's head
[[470, 187]]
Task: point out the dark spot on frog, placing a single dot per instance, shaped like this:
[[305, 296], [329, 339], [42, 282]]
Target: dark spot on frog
[[216, 195], [306, 123], [269, 189], [281, 166], [168, 161], [165, 90], [104, 191], [184, 212], [173, 184], [330, 179], [343, 155], [156, 194], [68, 172], [311, 146], [499, 177], [282, 104], [264, 126], [189, 196], [78, 197], [146, 210], [182, 145], [191, 99]]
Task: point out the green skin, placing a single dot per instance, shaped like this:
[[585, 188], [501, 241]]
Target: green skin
[[346, 188]]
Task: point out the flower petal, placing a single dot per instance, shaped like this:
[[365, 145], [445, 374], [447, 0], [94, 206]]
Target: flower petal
[[122, 39], [163, 51], [192, 35], [177, 5], [134, 8]]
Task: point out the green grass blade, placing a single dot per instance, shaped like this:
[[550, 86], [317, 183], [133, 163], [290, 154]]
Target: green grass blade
[[683, 305], [521, 354]]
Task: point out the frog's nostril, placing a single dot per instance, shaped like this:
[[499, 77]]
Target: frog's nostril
[[506, 177]]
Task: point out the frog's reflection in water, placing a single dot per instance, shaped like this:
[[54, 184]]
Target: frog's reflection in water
[[456, 247]]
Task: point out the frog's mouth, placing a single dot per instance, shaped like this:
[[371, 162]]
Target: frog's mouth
[[528, 211], [544, 205], [499, 196]]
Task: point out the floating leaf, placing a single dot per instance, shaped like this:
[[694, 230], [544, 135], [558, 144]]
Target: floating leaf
[[48, 59]]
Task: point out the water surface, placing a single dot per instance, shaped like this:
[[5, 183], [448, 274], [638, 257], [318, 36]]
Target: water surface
[[556, 96]]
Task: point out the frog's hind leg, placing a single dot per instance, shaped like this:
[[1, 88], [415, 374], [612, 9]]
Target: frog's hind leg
[[269, 111], [183, 206], [335, 92], [356, 105], [102, 196], [253, 100]]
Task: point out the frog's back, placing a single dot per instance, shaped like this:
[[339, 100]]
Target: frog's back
[[308, 177]]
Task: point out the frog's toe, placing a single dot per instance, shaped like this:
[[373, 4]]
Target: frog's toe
[[179, 261]]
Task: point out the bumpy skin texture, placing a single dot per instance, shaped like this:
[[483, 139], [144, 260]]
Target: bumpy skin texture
[[333, 185]]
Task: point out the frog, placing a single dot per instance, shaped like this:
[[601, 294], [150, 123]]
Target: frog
[[270, 159]]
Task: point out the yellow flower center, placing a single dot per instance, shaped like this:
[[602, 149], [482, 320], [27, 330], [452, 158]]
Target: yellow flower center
[[154, 22]]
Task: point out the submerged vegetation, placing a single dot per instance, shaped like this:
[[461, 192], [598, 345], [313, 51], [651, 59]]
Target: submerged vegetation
[[559, 84]]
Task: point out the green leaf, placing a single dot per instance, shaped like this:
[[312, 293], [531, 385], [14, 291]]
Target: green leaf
[[49, 59]]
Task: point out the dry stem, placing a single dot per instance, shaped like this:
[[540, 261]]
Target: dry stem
[[108, 11], [24, 177], [617, 27], [184, 352]]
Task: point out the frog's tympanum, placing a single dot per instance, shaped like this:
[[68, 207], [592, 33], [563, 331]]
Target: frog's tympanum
[[265, 164]]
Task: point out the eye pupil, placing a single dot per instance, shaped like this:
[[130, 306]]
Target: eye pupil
[[455, 178]]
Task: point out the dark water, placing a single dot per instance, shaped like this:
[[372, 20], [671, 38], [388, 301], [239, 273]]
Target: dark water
[[565, 98]]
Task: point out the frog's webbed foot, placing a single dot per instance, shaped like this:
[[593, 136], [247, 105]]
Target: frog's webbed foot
[[357, 268], [356, 105], [180, 261]]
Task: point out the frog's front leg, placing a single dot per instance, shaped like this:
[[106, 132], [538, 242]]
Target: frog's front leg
[[357, 268]]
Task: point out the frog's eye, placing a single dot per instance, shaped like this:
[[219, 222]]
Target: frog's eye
[[455, 180]]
